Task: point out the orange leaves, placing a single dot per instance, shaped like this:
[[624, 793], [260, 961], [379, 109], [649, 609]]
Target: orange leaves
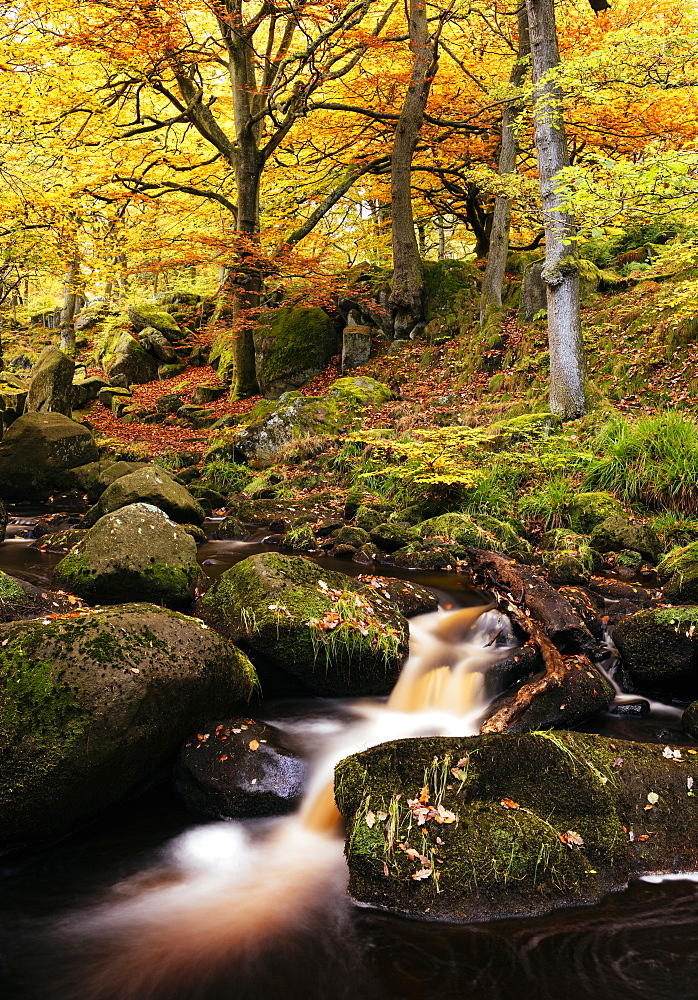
[[571, 839], [509, 804]]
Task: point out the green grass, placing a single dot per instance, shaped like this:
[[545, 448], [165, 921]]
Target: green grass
[[651, 461]]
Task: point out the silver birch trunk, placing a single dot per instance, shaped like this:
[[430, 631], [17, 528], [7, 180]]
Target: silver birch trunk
[[561, 270], [491, 297]]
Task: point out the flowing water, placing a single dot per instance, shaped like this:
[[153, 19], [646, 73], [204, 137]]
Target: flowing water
[[258, 909]]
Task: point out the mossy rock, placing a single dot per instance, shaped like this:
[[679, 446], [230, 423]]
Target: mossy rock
[[151, 485], [589, 509], [350, 535], [450, 289], [135, 552], [267, 604], [391, 536], [12, 593], [292, 346], [368, 517], [527, 427], [59, 541], [129, 359], [272, 427], [679, 573], [616, 533], [37, 450], [566, 569], [144, 314], [538, 821], [93, 706], [659, 649], [300, 537], [483, 532]]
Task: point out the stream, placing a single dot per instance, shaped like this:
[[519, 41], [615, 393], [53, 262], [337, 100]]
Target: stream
[[150, 903]]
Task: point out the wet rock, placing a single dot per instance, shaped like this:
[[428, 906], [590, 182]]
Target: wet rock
[[349, 535], [409, 598], [529, 823], [659, 648], [616, 533], [616, 590], [59, 541], [325, 629], [567, 568], [442, 557], [37, 449], [588, 605], [679, 573], [150, 485], [50, 388], [133, 553], [239, 768], [96, 706], [689, 720]]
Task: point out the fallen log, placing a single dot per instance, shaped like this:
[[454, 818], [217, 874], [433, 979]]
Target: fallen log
[[556, 668], [534, 596]]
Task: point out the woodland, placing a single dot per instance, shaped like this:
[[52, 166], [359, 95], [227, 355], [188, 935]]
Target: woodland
[[316, 317]]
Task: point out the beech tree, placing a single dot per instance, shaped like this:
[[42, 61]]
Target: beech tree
[[561, 269]]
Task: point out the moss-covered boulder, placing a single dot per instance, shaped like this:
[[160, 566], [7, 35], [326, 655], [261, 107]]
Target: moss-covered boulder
[[589, 509], [151, 485], [659, 649], [678, 571], [292, 346], [616, 533], [323, 628], [93, 706], [35, 452], [450, 290], [393, 535], [51, 385], [133, 553], [123, 355], [272, 427], [145, 314], [483, 532], [496, 826]]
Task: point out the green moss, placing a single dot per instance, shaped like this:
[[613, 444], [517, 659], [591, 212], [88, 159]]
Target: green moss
[[293, 342], [510, 799], [10, 591]]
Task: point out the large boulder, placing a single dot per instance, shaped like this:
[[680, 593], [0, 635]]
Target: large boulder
[[494, 826], [51, 385], [239, 768], [659, 649], [678, 571], [292, 346], [151, 485], [616, 533], [271, 427], [94, 705], [334, 635], [132, 361], [37, 449], [157, 344], [133, 553]]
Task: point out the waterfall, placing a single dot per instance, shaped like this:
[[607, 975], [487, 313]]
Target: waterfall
[[231, 894]]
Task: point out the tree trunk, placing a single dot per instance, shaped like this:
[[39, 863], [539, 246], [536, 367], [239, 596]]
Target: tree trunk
[[408, 278], [561, 270], [70, 299], [491, 298]]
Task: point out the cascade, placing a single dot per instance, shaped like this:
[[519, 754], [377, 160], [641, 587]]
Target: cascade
[[227, 893]]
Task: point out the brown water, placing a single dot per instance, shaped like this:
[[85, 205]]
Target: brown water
[[149, 907]]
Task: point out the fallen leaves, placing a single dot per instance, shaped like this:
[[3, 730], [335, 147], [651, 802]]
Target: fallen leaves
[[571, 839], [509, 804]]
